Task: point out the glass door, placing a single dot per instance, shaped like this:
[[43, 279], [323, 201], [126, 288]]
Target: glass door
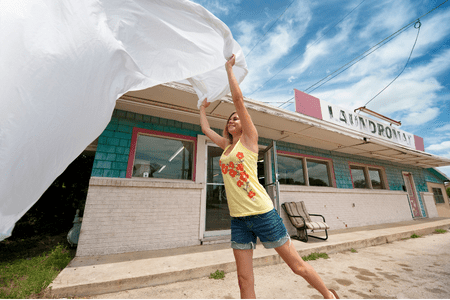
[[218, 219], [271, 174]]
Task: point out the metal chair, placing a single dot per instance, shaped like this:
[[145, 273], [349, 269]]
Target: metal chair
[[300, 219]]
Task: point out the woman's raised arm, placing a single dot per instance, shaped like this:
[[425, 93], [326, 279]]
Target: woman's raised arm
[[249, 133], [206, 129]]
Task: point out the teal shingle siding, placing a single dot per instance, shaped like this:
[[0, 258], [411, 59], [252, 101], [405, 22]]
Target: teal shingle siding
[[111, 158], [432, 175]]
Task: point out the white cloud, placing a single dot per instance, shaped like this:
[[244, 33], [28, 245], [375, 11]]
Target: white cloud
[[385, 16], [315, 52], [275, 96], [432, 31], [444, 146], [274, 45], [419, 118], [438, 64], [292, 78], [445, 128], [246, 35], [386, 62], [413, 98], [351, 41]]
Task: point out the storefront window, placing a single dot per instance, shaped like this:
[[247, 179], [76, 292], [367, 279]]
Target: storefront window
[[438, 197], [318, 173], [367, 177], [290, 170], [359, 178], [375, 178], [161, 157]]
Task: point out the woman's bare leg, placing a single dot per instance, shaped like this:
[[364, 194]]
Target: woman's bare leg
[[302, 268], [244, 264]]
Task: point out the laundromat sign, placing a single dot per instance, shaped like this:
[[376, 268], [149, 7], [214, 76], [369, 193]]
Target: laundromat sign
[[314, 107]]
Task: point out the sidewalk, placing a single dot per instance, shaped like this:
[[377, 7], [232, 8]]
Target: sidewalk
[[86, 276]]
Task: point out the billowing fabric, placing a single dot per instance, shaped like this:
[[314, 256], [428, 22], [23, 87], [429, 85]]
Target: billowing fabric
[[245, 195], [63, 65]]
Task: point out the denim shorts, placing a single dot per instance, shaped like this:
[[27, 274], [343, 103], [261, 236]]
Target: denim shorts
[[268, 227]]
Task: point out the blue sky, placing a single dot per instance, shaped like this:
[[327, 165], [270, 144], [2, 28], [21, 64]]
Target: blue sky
[[313, 39]]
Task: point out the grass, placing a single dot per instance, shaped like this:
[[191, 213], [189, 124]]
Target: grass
[[353, 250], [440, 230], [415, 236], [28, 266], [314, 256], [217, 275]]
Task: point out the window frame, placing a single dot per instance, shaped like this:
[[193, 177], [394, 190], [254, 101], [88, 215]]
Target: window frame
[[366, 168], [160, 134], [305, 158], [434, 195]]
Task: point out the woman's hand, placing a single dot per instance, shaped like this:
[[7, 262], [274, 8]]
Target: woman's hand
[[205, 103], [230, 63]]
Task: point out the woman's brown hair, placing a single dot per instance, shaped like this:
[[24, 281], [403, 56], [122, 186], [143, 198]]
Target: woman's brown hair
[[226, 134]]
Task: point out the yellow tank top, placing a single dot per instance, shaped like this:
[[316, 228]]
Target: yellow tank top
[[245, 195]]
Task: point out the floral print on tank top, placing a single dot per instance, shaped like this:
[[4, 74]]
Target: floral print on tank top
[[237, 172]]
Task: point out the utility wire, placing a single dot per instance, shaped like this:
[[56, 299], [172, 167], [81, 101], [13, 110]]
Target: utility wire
[[364, 55], [269, 29], [418, 31], [356, 60], [315, 42], [351, 63]]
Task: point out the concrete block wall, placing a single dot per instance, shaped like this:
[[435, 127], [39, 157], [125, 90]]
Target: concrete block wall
[[430, 205], [123, 215], [344, 208]]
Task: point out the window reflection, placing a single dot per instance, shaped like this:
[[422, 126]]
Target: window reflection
[[160, 157], [375, 178], [359, 179], [290, 170], [365, 177], [318, 173]]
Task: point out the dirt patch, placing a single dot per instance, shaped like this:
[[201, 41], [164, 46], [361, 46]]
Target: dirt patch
[[344, 282]]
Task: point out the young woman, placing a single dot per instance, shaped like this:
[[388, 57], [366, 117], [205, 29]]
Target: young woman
[[252, 211]]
